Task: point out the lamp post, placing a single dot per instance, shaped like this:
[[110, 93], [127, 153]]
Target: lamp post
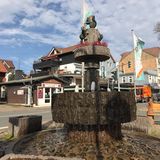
[[118, 80]]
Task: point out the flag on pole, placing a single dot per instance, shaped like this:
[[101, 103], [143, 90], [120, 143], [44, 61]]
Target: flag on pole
[[86, 11], [138, 47]]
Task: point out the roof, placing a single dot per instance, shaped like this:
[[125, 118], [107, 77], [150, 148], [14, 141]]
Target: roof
[[71, 75], [66, 50], [2, 68], [8, 62], [125, 54], [31, 80], [154, 51], [112, 58], [60, 51]]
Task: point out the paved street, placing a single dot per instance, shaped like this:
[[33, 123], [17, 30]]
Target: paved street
[[7, 111]]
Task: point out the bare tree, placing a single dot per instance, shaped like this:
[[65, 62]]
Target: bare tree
[[157, 29]]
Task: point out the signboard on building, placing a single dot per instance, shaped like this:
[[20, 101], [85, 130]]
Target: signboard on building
[[20, 92], [51, 85], [40, 93]]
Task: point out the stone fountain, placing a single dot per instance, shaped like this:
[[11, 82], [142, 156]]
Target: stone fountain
[[93, 116], [92, 119]]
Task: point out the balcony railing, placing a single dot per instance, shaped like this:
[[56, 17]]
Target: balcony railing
[[45, 64]]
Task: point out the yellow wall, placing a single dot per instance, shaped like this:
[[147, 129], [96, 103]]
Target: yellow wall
[[148, 62]]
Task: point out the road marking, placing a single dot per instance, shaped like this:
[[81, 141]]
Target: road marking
[[26, 114]]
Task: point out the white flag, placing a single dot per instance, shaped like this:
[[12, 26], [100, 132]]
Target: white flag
[[138, 47], [86, 11]]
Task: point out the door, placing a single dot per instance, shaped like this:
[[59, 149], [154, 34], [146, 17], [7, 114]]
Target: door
[[44, 96]]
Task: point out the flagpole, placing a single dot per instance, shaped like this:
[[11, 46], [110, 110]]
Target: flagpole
[[82, 24], [82, 10], [134, 63]]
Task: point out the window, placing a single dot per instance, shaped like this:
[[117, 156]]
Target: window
[[78, 66], [3, 92], [150, 78], [102, 71], [129, 64], [123, 79], [130, 79], [158, 60]]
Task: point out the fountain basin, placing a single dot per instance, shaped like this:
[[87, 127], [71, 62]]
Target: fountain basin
[[92, 53], [55, 143], [82, 108]]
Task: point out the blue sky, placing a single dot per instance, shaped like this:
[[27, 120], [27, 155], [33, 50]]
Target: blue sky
[[30, 28]]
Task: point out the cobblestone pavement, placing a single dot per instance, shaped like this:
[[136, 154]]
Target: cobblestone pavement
[[141, 121]]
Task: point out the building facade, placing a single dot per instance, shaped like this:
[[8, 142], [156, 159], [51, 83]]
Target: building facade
[[61, 61], [6, 69], [35, 91], [106, 68], [150, 63]]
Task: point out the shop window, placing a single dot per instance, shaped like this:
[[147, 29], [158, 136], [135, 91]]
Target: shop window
[[47, 95], [3, 92]]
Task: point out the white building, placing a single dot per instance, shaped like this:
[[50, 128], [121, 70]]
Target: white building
[[106, 67]]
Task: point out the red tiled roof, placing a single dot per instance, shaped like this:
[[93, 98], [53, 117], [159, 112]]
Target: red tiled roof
[[9, 63], [2, 68], [154, 51], [60, 51]]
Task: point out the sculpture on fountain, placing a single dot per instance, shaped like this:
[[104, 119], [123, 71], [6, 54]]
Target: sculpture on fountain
[[91, 51], [87, 34]]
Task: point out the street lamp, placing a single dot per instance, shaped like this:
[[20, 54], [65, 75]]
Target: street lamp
[[118, 80]]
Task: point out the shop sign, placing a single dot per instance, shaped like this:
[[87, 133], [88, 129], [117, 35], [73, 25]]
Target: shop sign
[[20, 92], [40, 93], [51, 85]]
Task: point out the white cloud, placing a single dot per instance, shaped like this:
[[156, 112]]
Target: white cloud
[[33, 37], [9, 9], [60, 26]]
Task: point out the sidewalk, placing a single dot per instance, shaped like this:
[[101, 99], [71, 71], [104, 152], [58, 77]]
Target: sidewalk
[[7, 107], [11, 107], [7, 111]]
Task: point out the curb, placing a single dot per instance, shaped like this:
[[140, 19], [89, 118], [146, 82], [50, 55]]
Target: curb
[[32, 157]]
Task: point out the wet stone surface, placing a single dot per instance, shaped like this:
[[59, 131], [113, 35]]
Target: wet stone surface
[[133, 147]]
